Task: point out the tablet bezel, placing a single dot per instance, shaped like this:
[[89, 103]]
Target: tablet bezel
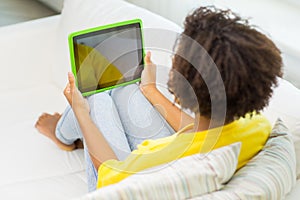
[[105, 29]]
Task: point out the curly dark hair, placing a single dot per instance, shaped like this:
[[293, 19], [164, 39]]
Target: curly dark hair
[[247, 60]]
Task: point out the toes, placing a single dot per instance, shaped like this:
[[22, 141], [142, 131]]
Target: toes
[[56, 114], [47, 122], [42, 116], [79, 144], [37, 123], [37, 126], [45, 115], [40, 119]]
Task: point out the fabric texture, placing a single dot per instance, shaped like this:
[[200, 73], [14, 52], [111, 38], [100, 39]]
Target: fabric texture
[[251, 132], [185, 178], [285, 105], [269, 175]]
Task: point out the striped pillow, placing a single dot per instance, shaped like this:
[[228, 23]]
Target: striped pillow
[[269, 175], [185, 178]]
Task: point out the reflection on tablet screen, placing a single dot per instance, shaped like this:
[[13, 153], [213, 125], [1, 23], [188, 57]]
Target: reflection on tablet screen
[[108, 57]]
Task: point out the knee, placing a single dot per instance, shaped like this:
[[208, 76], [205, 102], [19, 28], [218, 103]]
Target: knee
[[125, 92], [102, 97], [99, 102]]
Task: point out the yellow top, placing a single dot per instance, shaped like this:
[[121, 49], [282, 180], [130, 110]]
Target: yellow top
[[251, 132], [95, 68]]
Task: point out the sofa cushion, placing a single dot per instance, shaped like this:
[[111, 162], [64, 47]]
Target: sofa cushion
[[271, 174], [187, 177], [285, 105], [82, 14]]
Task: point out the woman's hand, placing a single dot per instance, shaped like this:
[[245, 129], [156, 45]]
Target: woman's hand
[[148, 79], [99, 148], [74, 97]]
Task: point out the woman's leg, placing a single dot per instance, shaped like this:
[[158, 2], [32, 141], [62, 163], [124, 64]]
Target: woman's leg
[[105, 116], [67, 128], [139, 118]]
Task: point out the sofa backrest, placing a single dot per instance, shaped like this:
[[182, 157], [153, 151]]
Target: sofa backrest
[[285, 104]]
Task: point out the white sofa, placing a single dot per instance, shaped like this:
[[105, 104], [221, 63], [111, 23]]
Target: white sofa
[[34, 62]]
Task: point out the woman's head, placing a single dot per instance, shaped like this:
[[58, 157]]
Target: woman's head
[[246, 59]]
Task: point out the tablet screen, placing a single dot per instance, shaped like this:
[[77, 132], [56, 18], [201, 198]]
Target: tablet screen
[[108, 57]]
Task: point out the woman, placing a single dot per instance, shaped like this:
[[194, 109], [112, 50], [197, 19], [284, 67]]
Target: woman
[[226, 103]]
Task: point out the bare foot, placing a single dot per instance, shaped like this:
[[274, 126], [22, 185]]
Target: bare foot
[[46, 125], [79, 144]]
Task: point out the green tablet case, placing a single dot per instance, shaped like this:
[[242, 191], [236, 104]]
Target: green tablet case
[[100, 28]]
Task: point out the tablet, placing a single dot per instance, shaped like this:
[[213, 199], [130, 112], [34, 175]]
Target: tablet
[[108, 56]]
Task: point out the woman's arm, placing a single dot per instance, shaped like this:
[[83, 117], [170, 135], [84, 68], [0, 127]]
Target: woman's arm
[[98, 147], [173, 115]]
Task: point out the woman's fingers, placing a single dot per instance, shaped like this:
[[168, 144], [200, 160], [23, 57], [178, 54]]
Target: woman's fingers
[[71, 81], [148, 58], [148, 78], [74, 97], [70, 88], [67, 89]]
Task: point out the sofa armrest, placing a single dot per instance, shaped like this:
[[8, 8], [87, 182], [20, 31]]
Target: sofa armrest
[[27, 52]]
